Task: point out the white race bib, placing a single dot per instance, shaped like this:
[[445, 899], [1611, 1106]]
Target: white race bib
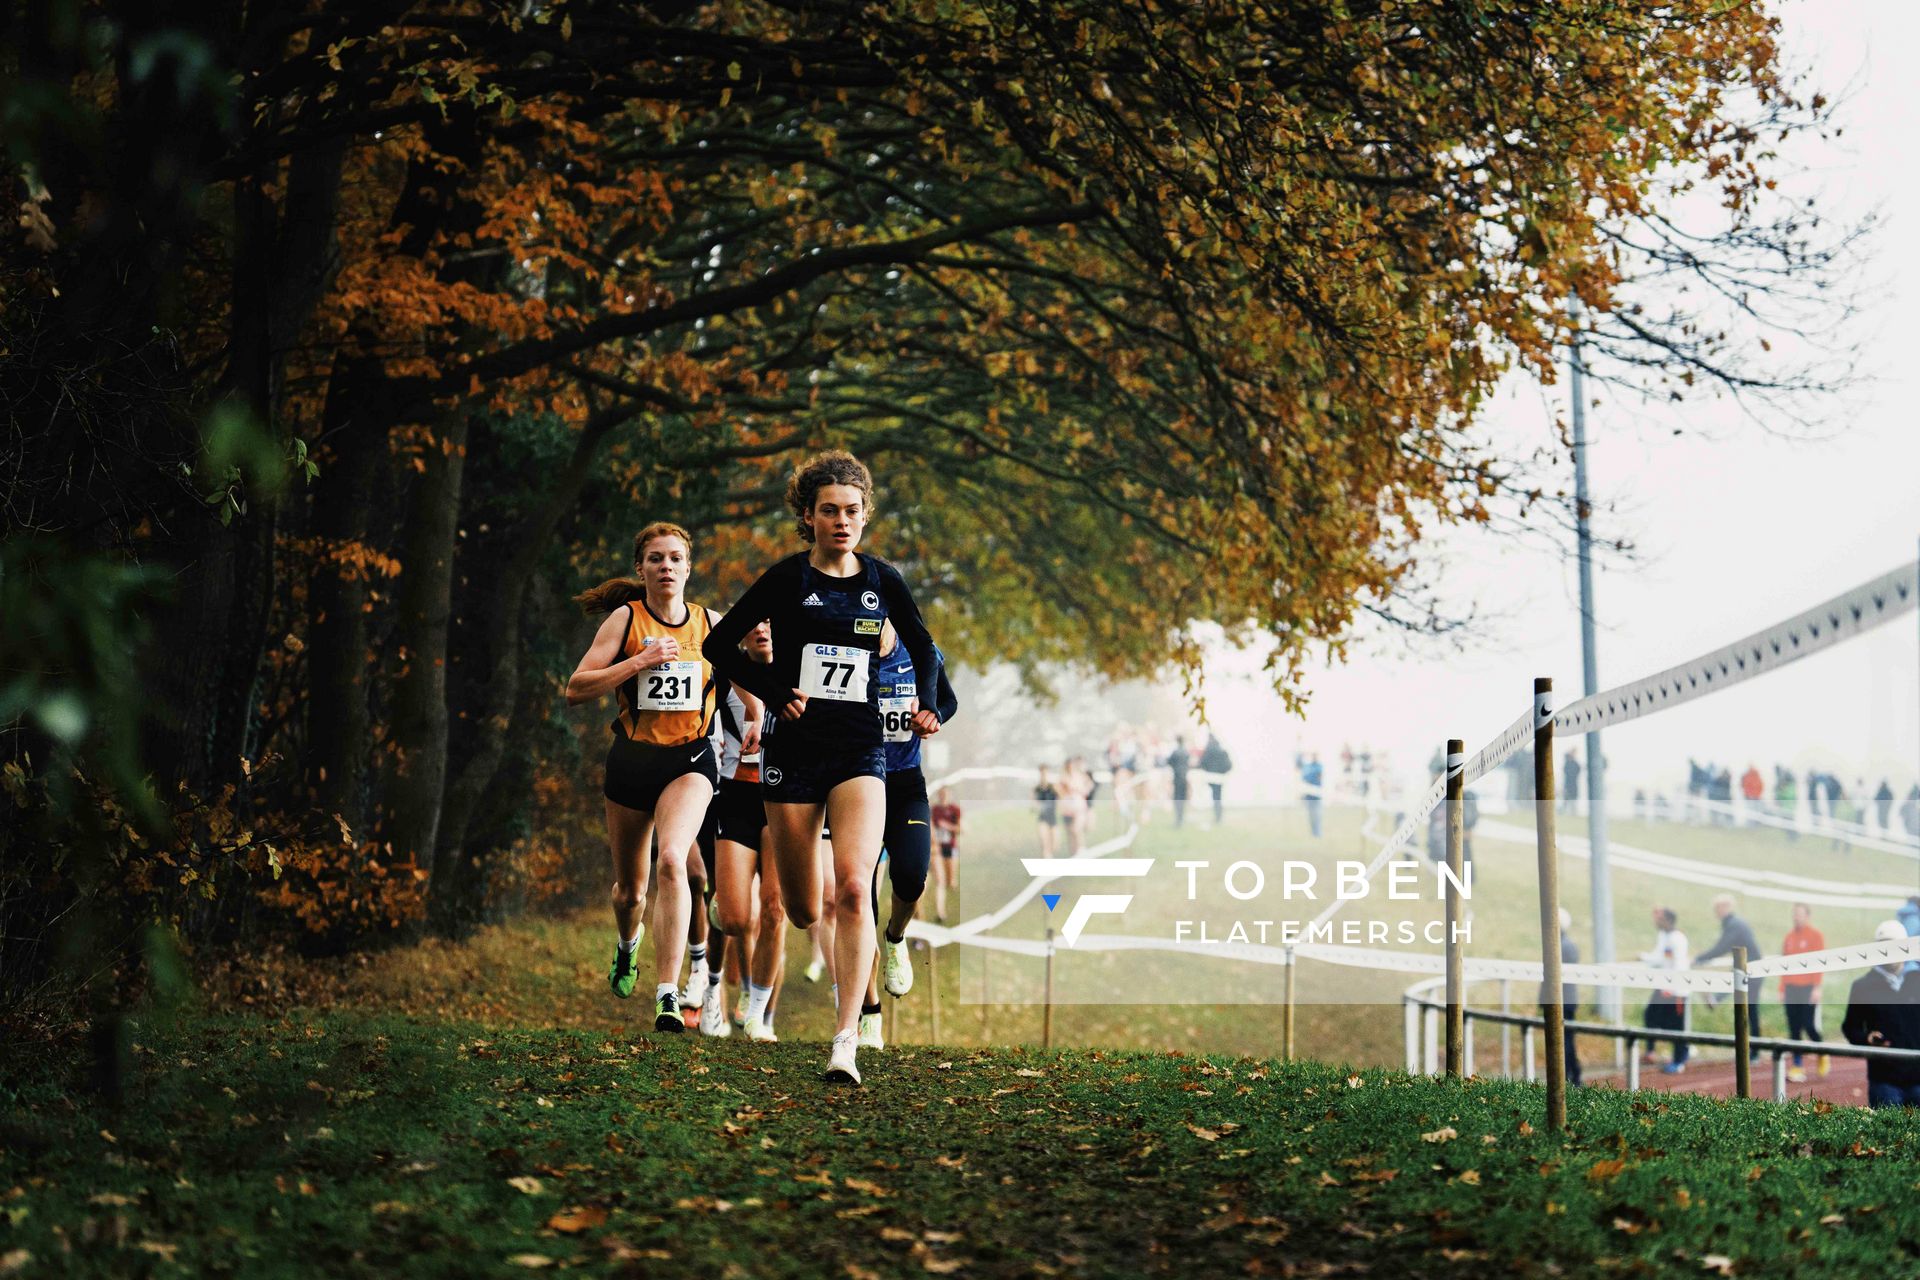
[[897, 715], [671, 686], [835, 672]]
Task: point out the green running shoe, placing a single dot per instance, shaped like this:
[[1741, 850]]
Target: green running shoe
[[625, 973], [666, 1013]]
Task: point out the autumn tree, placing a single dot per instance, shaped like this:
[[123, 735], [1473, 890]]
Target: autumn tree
[[1142, 313]]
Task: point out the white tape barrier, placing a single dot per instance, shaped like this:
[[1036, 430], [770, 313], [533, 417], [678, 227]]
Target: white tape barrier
[[1777, 886], [1403, 836], [1841, 618], [1813, 826], [1837, 959]]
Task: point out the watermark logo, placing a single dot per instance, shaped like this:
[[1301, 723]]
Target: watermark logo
[[1088, 905]]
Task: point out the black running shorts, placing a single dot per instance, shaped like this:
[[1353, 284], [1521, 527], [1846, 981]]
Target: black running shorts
[[794, 773], [742, 814], [637, 772]]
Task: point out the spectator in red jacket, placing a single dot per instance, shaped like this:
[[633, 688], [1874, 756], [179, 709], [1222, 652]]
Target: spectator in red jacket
[[1800, 992]]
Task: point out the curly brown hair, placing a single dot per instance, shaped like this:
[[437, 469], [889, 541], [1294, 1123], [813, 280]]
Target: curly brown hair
[[832, 466]]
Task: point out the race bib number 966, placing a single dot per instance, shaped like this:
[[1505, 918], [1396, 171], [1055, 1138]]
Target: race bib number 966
[[897, 715], [835, 672], [671, 686]]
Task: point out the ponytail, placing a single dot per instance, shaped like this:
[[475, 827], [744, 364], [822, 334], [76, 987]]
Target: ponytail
[[609, 595]]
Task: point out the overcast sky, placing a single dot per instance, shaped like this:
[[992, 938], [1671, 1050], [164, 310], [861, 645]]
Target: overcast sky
[[1736, 528]]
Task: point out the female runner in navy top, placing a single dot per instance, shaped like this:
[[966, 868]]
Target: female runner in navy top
[[828, 758]]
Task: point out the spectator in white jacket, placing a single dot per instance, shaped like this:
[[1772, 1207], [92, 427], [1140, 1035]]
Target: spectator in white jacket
[[1667, 1009]]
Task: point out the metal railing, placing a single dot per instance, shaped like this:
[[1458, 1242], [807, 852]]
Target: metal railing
[[1426, 1010]]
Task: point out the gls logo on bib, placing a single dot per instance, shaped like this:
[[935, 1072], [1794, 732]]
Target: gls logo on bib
[[869, 600]]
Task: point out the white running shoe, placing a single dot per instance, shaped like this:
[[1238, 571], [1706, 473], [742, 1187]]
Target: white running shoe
[[871, 1036], [761, 1033], [713, 1013], [899, 977], [814, 969], [840, 1064], [695, 996]]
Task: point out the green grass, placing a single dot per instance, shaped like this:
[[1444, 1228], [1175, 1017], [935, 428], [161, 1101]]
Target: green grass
[[352, 1144]]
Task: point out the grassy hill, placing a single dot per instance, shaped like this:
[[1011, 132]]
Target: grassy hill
[[352, 1144]]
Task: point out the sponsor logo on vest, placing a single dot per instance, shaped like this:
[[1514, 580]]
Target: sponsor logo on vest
[[773, 777], [813, 598], [869, 600]]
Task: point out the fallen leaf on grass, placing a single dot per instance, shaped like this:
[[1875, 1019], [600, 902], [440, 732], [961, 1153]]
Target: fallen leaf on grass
[[1471, 1177], [525, 1185], [1604, 1169], [1526, 1130], [1718, 1263], [158, 1249], [1384, 1175], [871, 1188], [1205, 1135], [1630, 1227], [897, 1234], [14, 1260], [864, 1211], [531, 1260], [1354, 1082], [385, 1208], [938, 1266], [942, 1237], [950, 1162], [1833, 1219], [109, 1198], [1445, 1134], [1030, 1073], [1328, 1180], [577, 1219], [855, 1272]]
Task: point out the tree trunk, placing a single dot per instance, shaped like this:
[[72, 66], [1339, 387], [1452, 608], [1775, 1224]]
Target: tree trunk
[[418, 763], [500, 619]]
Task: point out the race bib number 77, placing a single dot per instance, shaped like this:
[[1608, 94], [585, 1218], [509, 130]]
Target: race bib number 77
[[835, 672]]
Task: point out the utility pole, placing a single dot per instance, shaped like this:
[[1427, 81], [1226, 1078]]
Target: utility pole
[[1602, 884]]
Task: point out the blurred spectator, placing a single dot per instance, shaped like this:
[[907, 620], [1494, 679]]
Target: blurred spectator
[[1215, 760], [1640, 803], [1752, 788], [1883, 1011], [1883, 802], [1179, 761], [1735, 932], [1569, 992], [1800, 992], [1312, 787], [1910, 811], [1786, 800], [1570, 783], [1519, 768], [1667, 1009]]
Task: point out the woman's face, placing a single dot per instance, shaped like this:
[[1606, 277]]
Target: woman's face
[[838, 517], [759, 642], [665, 564]]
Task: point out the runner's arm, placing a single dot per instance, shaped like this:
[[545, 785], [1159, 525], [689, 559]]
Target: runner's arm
[[604, 668], [905, 615], [723, 650]]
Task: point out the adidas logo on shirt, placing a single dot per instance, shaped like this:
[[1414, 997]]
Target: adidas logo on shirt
[[813, 598]]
